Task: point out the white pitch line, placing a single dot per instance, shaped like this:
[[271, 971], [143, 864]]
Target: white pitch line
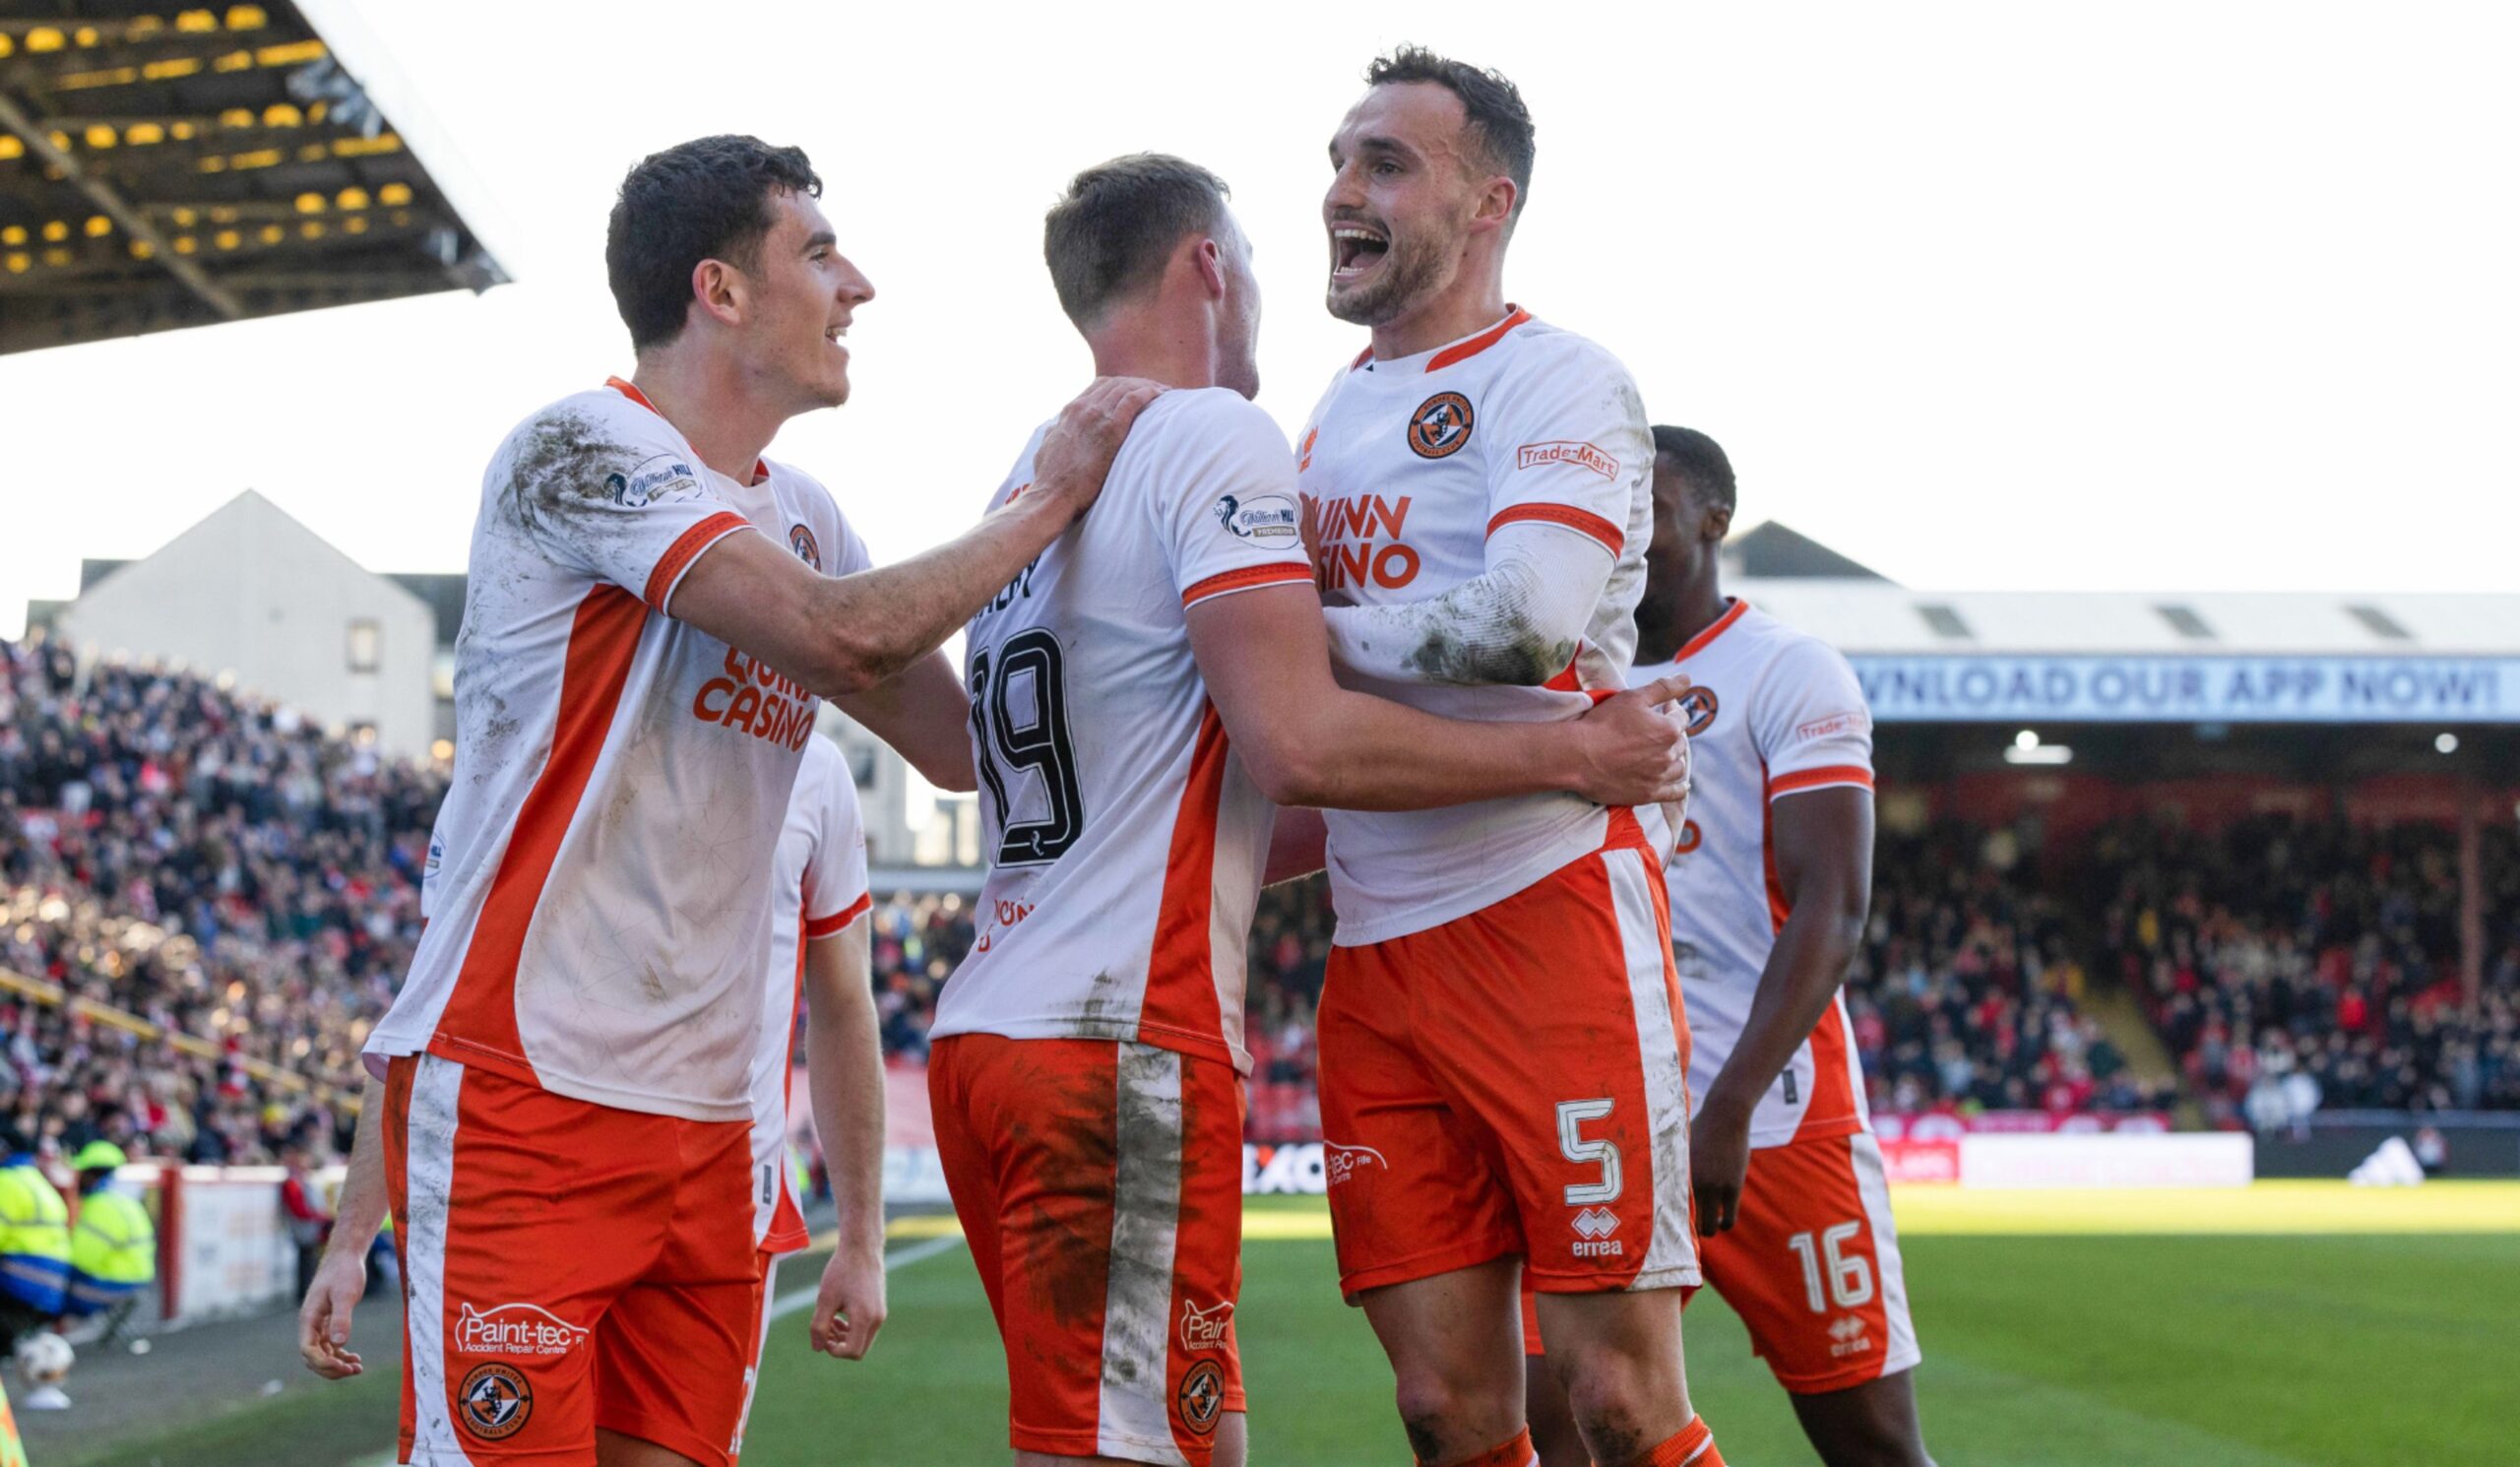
[[790, 1303]]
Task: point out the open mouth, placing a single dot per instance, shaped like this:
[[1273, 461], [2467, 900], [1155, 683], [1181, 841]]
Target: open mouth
[[832, 334], [1354, 251]]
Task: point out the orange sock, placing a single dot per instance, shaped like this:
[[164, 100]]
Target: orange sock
[[1693, 1445], [1515, 1453]]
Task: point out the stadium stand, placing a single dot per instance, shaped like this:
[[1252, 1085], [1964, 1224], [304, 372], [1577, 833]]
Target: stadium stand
[[206, 901], [204, 904], [2282, 948], [166, 170]]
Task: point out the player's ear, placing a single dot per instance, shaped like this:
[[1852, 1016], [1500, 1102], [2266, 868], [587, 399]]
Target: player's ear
[[1495, 204], [718, 288], [1207, 258], [1716, 522]]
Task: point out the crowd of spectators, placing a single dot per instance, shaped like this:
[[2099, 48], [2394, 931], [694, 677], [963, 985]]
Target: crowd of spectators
[[224, 872], [2297, 964], [213, 866], [1965, 994]]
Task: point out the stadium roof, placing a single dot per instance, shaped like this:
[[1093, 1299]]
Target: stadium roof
[[1875, 617], [163, 166]]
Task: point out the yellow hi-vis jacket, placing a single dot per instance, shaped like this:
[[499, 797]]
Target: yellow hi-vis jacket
[[35, 1239], [113, 1251]]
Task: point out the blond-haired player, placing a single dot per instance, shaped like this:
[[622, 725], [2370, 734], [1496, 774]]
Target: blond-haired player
[[1139, 694]]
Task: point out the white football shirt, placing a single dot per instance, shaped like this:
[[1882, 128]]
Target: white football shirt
[[1409, 465], [821, 877], [1126, 837], [1772, 712], [602, 898]]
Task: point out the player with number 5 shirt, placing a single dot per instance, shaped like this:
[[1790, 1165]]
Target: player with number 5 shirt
[[1769, 887]]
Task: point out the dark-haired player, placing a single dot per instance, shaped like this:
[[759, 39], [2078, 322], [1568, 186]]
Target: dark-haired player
[[1503, 1052], [1140, 693], [1769, 886], [561, 1114]]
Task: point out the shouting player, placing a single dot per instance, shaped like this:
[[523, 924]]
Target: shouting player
[[1139, 694], [1769, 892], [1503, 1052], [654, 612], [818, 960]]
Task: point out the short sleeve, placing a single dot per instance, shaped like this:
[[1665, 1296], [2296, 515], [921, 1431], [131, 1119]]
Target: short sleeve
[[1228, 517], [1813, 730], [1572, 448], [836, 889], [601, 491]]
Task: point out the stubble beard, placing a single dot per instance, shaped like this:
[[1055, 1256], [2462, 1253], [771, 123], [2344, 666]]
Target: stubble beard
[[1409, 274]]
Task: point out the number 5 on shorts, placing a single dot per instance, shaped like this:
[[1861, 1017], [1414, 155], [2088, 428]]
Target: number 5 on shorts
[[1571, 1115], [1849, 1274]]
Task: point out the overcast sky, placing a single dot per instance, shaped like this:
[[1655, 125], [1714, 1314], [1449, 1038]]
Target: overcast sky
[[2151, 297]]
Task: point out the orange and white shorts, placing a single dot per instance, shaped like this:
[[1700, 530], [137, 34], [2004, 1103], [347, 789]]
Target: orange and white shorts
[[1811, 1265], [565, 1266], [1515, 1082], [1099, 1187]]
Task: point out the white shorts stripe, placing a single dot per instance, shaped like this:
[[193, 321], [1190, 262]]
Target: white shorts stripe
[[429, 1181], [761, 1344], [1136, 1421], [1671, 1260], [1873, 1183]]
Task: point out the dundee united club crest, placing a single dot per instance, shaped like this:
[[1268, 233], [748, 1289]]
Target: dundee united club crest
[[1202, 1396], [1441, 425], [801, 541], [494, 1402], [1699, 705]]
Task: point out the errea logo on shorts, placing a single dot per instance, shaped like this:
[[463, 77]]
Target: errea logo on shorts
[[1593, 1227], [1846, 1337], [1210, 1328], [514, 1329], [1342, 1163], [1566, 451]]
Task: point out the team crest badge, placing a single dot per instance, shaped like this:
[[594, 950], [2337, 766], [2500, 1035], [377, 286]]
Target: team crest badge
[[495, 1403], [1698, 705], [1202, 1396], [801, 541], [1441, 425]]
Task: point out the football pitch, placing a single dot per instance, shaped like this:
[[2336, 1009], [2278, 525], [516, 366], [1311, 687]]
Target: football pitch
[[2287, 1326]]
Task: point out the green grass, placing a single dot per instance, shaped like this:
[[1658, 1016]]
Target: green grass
[[2159, 1351], [2235, 1350]]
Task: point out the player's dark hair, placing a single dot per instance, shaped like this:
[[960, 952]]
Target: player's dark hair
[[1499, 121], [1698, 458], [707, 199], [1111, 234]]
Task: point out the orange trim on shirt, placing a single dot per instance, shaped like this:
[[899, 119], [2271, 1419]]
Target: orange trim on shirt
[[630, 390], [480, 1021], [1813, 779], [1180, 978], [685, 549], [823, 926], [1465, 351], [1566, 681], [1362, 358], [1717, 628], [1244, 578], [1582, 521]]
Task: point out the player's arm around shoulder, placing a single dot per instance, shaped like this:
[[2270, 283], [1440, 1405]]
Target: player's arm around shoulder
[[840, 636]]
